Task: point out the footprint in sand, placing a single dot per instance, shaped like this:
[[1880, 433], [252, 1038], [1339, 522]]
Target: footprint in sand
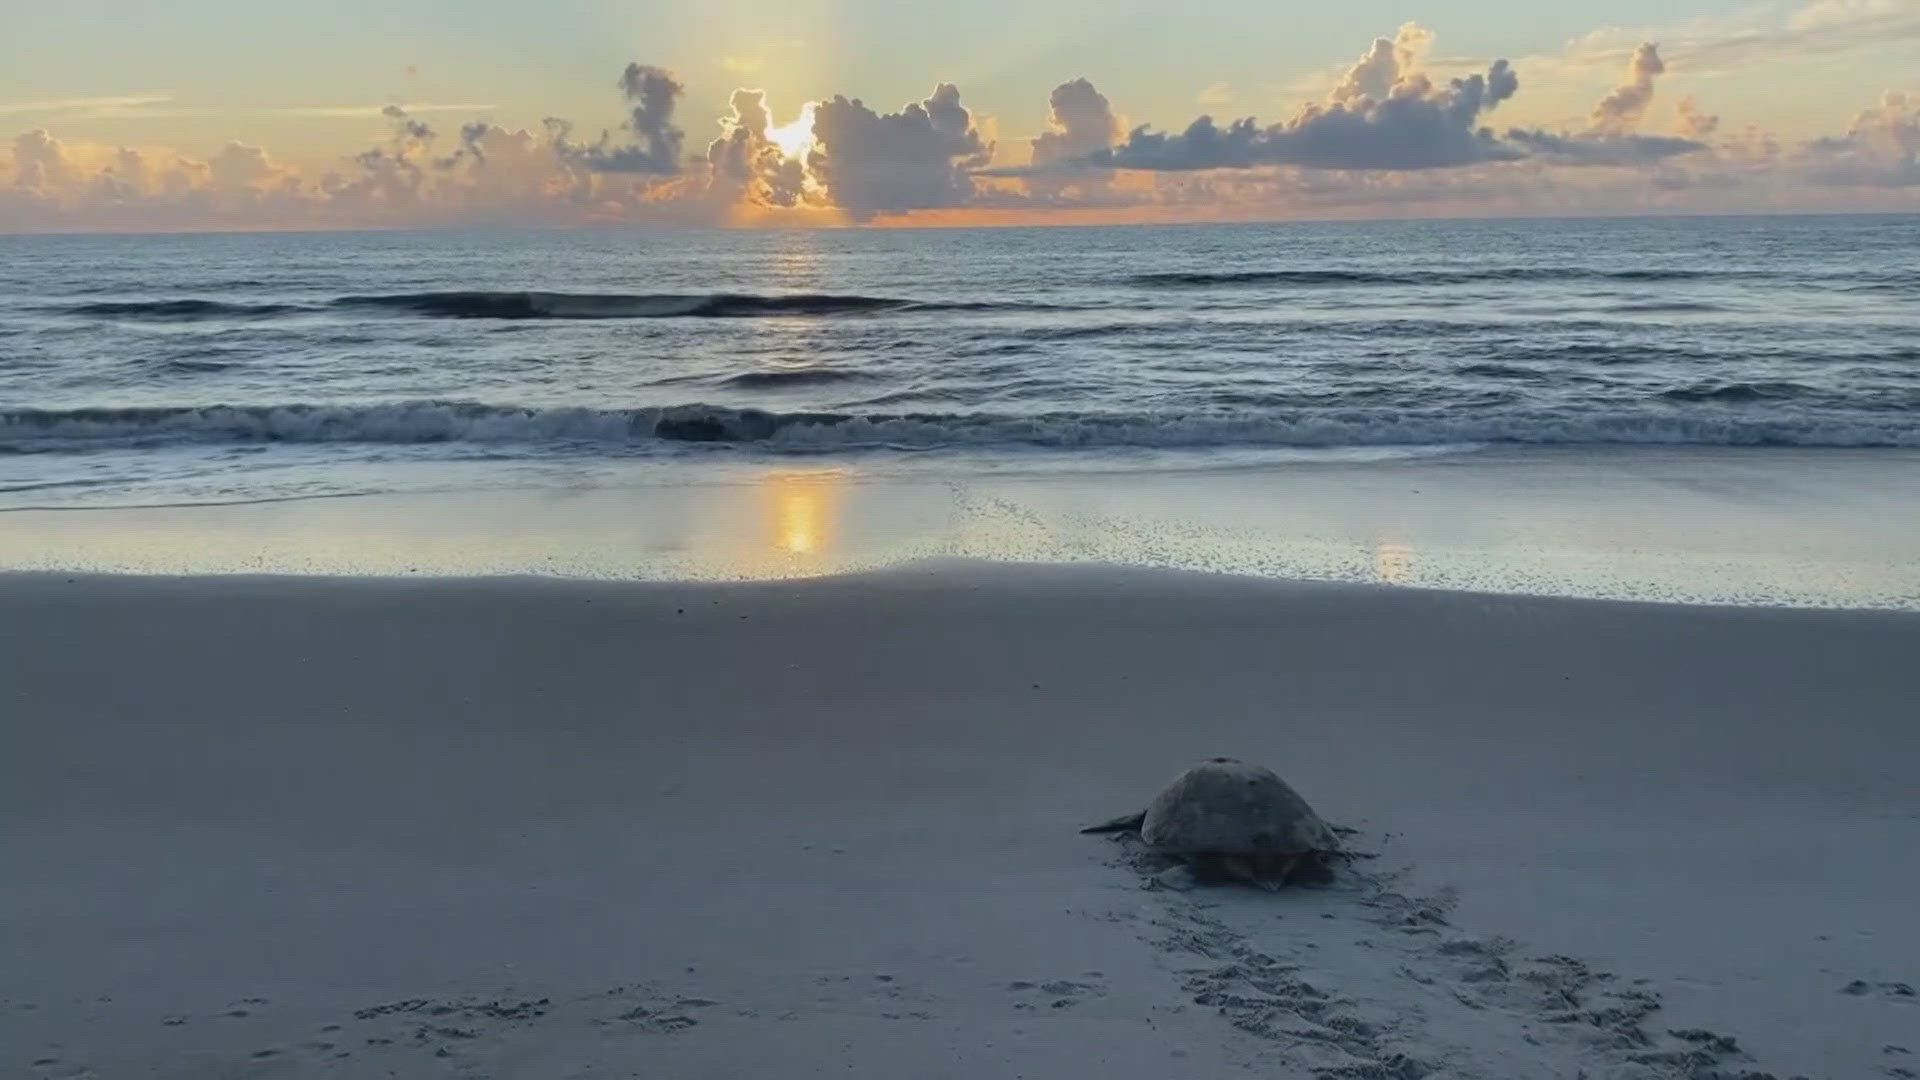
[[443, 1028], [1057, 994], [879, 990], [661, 1016], [1410, 982]]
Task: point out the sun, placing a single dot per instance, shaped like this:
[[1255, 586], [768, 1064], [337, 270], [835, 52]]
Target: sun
[[795, 138]]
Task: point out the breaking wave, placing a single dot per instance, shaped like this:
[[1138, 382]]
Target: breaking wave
[[546, 305], [26, 431]]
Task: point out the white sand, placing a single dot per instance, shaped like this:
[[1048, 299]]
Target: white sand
[[276, 828]]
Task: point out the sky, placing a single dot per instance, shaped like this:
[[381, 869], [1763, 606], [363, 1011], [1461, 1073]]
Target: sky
[[245, 114]]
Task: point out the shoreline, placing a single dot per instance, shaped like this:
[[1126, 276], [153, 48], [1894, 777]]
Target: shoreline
[[1784, 528], [827, 826]]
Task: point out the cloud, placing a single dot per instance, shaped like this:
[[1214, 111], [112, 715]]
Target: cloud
[[1591, 149], [1386, 133], [1081, 129], [746, 158], [1620, 111], [1880, 149], [1217, 94], [239, 167], [90, 105], [392, 174], [39, 161], [1693, 122], [918, 158], [1383, 64], [734, 154], [1083, 125], [652, 93], [1384, 114], [357, 112], [1820, 27], [1610, 139], [407, 128], [1756, 36]]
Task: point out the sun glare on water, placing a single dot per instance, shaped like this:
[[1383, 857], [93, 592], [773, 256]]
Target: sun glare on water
[[796, 137]]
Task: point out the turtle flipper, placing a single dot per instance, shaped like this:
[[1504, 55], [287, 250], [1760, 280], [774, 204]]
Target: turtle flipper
[[1124, 823], [1249, 871]]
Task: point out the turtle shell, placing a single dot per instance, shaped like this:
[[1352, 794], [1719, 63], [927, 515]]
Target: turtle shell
[[1226, 807]]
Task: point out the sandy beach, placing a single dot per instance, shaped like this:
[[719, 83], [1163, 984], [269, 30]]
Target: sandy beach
[[285, 827], [596, 541]]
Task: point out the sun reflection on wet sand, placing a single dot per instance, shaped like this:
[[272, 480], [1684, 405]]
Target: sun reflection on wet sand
[[1393, 563], [802, 513], [1645, 539]]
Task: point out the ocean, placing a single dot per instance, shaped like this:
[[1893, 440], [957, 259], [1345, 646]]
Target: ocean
[[141, 370]]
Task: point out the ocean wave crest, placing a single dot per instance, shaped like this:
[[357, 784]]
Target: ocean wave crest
[[183, 310], [783, 377], [1776, 390], [28, 430]]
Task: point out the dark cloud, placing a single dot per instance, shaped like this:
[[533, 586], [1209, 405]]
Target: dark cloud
[[408, 127], [392, 173], [1385, 114], [918, 158], [1417, 125], [652, 93], [473, 138], [1620, 150]]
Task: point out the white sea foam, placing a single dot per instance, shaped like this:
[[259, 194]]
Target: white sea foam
[[443, 421]]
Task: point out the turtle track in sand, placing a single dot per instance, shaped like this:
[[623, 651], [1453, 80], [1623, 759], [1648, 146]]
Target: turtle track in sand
[[1360, 981]]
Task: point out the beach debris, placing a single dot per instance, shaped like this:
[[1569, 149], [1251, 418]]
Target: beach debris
[[1227, 820]]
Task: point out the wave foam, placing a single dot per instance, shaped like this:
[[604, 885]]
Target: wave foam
[[25, 431]]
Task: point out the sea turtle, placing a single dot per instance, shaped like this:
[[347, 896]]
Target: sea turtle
[[1226, 819]]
